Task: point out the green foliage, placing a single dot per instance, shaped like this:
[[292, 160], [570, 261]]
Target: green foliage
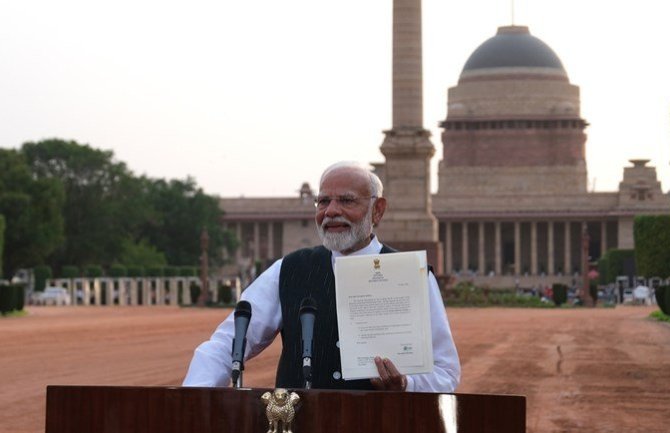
[[135, 271], [467, 295], [69, 271], [141, 253], [155, 271], [171, 271], [103, 202], [662, 294], [11, 298], [32, 210], [2, 241], [182, 210], [225, 293], [611, 264], [652, 245], [188, 271], [93, 271], [41, 274], [560, 294], [118, 271], [660, 316]]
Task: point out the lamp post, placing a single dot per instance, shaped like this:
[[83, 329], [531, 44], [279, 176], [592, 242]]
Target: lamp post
[[204, 268]]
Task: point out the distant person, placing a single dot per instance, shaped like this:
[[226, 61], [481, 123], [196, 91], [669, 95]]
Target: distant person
[[349, 205]]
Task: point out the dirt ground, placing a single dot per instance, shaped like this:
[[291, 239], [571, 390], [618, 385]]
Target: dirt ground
[[582, 370]]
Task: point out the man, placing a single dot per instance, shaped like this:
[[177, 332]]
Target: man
[[349, 205]]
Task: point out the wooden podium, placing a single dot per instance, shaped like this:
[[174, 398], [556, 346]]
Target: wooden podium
[[106, 409]]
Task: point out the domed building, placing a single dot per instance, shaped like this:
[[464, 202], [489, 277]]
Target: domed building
[[512, 199], [512, 206]]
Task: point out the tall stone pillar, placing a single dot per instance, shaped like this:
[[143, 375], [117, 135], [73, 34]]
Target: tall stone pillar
[[408, 223], [271, 241], [257, 242], [550, 248]]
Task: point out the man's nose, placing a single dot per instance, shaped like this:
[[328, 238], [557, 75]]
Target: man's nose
[[333, 209]]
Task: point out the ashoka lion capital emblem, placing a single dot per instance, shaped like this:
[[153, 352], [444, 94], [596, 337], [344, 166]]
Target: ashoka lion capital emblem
[[279, 407]]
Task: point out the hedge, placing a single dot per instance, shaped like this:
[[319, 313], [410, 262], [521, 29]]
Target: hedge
[[93, 271], [11, 298], [155, 271], [171, 271], [2, 240], [69, 271], [611, 264], [188, 271], [41, 273], [560, 294], [663, 299], [118, 271], [135, 271], [652, 245]]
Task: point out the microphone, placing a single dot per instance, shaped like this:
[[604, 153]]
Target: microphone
[[242, 317], [307, 317]]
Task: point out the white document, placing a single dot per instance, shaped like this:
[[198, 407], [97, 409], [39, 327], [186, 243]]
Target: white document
[[383, 310]]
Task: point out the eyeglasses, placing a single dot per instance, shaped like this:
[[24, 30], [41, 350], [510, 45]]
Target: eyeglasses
[[344, 201]]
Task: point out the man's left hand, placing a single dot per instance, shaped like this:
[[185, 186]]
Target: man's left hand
[[389, 377]]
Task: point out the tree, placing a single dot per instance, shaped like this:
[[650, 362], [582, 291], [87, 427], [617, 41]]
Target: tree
[[183, 210], [32, 210], [103, 202]]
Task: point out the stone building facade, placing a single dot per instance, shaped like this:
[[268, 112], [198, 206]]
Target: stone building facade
[[512, 206]]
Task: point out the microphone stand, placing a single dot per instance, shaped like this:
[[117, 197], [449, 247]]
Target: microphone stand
[[238, 369], [307, 371]]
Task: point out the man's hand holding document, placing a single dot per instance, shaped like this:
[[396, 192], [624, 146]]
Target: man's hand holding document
[[382, 310]]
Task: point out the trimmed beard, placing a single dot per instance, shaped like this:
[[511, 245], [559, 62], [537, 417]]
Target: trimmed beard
[[348, 239]]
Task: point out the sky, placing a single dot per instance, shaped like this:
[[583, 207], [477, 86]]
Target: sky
[[254, 97]]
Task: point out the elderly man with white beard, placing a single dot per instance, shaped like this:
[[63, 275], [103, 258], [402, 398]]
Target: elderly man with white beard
[[349, 205]]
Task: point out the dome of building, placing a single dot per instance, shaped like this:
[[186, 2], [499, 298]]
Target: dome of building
[[513, 47]]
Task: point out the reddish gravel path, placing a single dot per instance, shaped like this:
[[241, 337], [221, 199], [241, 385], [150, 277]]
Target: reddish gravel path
[[602, 370]]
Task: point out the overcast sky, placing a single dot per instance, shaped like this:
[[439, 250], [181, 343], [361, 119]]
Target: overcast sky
[[253, 97]]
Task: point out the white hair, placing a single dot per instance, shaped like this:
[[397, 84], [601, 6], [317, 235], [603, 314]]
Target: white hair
[[376, 187]]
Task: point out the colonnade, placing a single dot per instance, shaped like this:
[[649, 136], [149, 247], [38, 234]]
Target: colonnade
[[535, 247]]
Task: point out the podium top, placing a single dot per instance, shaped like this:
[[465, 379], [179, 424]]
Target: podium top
[[107, 409]]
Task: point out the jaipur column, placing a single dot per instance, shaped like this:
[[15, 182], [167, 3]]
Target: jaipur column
[[482, 264]]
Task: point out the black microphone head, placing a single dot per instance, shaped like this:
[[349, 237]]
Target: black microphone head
[[307, 306], [243, 309]]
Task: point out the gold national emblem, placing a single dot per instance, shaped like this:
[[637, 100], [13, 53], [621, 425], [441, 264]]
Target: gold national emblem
[[377, 265], [279, 408]]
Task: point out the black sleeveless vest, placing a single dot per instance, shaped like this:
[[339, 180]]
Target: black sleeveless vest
[[309, 272]]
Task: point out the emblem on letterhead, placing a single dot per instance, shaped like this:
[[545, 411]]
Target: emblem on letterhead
[[376, 262]]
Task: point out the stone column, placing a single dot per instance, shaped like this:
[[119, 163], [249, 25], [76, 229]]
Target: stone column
[[109, 293], [133, 291], [481, 256], [146, 292], [517, 247], [160, 291], [257, 243], [533, 248], [464, 246], [498, 248], [568, 257], [86, 289], [174, 291], [238, 233], [449, 254], [409, 222], [603, 237], [123, 290], [550, 248], [271, 240], [97, 293]]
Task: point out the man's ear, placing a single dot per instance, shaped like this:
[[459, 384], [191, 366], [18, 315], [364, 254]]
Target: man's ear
[[378, 210]]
